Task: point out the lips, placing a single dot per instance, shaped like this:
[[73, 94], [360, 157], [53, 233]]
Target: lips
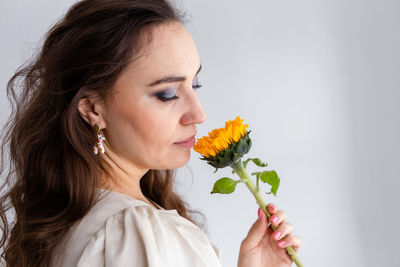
[[186, 140]]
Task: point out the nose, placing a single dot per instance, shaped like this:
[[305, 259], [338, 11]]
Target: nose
[[195, 113]]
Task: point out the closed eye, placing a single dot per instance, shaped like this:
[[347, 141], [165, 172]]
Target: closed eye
[[170, 94]]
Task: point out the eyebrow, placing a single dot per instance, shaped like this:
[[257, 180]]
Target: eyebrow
[[171, 79]]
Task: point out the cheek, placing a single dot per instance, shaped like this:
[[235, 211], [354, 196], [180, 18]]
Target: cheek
[[158, 130], [145, 132], [148, 127]]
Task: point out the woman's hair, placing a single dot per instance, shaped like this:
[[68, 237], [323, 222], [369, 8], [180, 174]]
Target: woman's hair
[[51, 174]]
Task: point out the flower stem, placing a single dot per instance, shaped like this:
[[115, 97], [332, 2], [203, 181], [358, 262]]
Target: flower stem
[[241, 171], [258, 179]]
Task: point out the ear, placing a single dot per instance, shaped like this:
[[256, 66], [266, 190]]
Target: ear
[[90, 108]]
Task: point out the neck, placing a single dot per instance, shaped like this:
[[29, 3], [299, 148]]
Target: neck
[[122, 176]]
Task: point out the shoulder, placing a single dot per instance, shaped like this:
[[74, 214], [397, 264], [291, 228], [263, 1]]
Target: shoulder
[[109, 208], [137, 233], [145, 236]]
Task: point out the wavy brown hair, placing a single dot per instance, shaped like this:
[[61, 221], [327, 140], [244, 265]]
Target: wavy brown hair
[[50, 171]]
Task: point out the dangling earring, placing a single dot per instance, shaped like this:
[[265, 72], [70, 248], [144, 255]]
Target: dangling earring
[[100, 138]]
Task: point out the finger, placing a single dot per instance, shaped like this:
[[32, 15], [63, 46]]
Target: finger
[[255, 233], [290, 241], [278, 217], [283, 230], [271, 208]]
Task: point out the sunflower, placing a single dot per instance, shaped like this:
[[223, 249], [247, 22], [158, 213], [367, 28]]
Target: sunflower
[[225, 146]]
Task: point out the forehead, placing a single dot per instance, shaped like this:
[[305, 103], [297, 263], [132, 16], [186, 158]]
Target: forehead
[[171, 51]]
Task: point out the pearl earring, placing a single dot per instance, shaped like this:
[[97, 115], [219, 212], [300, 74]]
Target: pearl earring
[[99, 143]]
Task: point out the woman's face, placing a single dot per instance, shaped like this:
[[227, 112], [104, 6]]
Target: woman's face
[[146, 120]]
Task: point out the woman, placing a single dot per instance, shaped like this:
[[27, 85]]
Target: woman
[[106, 113]]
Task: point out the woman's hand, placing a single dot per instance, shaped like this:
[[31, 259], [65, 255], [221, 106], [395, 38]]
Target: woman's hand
[[264, 247]]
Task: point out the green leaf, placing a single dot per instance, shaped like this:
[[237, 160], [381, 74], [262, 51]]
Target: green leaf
[[269, 177], [256, 161], [224, 186]]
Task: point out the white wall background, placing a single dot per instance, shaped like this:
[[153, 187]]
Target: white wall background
[[318, 82]]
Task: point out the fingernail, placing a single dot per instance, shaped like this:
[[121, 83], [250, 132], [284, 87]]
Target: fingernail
[[272, 208], [259, 212], [276, 235], [274, 219], [281, 243]]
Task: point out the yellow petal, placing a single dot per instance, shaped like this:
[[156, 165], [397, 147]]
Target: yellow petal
[[220, 139]]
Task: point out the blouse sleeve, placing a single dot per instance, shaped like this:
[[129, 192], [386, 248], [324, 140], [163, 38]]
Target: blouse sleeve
[[141, 236]]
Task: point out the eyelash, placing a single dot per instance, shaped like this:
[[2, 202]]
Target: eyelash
[[166, 99]]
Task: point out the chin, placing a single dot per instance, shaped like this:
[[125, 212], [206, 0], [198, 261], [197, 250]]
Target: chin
[[179, 160]]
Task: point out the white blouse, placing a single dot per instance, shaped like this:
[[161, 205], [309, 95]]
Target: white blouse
[[122, 231]]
